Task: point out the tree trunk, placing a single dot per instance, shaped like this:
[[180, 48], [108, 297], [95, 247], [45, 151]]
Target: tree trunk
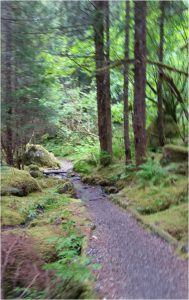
[[7, 80], [140, 81], [160, 79], [126, 86], [107, 81], [103, 83]]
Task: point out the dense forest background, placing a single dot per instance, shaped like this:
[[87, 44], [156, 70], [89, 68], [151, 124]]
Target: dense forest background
[[49, 83], [94, 115]]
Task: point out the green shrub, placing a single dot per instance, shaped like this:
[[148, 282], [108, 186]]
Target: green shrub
[[105, 158], [82, 166], [151, 172]]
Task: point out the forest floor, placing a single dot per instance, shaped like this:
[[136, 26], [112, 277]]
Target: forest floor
[[134, 262]]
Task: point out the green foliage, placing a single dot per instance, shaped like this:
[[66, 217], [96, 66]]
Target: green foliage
[[82, 166], [151, 172], [128, 174], [117, 113], [118, 147], [28, 293], [105, 158]]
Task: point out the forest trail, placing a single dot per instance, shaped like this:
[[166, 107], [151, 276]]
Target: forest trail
[[135, 264]]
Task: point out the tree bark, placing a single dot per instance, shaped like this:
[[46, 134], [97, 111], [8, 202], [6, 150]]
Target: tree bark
[[107, 81], [160, 78], [102, 82], [7, 80], [126, 86], [140, 81]]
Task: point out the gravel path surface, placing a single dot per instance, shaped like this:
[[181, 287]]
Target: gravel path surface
[[135, 263]]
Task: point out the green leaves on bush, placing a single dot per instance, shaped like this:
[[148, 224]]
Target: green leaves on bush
[[70, 265], [82, 166], [151, 172]]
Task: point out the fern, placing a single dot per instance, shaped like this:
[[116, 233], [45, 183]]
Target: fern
[[151, 172]]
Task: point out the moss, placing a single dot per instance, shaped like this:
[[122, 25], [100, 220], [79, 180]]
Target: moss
[[62, 216], [21, 206], [11, 217], [42, 234], [107, 176], [18, 207], [36, 174], [173, 220], [12, 191], [95, 179], [111, 189], [48, 182], [45, 226], [173, 153], [22, 180], [153, 199], [171, 130], [177, 149], [38, 155], [66, 188], [82, 166], [33, 167]]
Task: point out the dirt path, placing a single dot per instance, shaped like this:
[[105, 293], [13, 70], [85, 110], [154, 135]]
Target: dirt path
[[135, 263]]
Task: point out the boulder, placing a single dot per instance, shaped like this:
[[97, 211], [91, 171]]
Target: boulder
[[33, 167], [66, 188], [17, 182], [38, 155], [96, 179], [111, 189], [36, 174], [173, 153], [13, 191]]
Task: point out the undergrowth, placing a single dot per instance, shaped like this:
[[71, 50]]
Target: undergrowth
[[50, 249]]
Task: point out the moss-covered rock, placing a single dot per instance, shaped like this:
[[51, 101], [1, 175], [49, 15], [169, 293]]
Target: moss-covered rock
[[171, 130], [36, 174], [111, 189], [21, 180], [38, 155], [66, 188], [33, 167], [173, 153], [13, 191], [96, 180]]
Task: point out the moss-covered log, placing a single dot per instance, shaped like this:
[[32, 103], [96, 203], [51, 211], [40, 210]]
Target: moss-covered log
[[173, 153]]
